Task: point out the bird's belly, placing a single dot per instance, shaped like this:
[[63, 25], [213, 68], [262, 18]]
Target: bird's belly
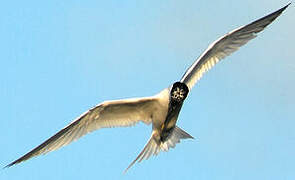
[[158, 120]]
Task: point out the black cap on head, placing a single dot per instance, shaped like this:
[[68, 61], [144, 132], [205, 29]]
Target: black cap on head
[[179, 91]]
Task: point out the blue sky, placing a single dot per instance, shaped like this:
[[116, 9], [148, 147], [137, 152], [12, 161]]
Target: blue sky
[[59, 58]]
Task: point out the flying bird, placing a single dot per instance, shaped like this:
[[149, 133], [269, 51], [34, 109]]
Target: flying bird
[[160, 110]]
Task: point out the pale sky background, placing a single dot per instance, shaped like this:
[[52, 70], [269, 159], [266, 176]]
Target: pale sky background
[[60, 58]]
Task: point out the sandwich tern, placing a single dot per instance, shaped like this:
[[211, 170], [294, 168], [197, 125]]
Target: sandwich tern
[[160, 110]]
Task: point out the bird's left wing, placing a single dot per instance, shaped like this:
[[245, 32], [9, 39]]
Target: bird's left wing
[[226, 45], [107, 114]]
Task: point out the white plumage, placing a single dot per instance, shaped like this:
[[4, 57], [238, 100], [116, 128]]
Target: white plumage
[[161, 110]]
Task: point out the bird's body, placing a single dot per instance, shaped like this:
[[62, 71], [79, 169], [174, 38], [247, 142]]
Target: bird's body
[[161, 110]]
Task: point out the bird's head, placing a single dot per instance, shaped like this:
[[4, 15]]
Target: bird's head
[[178, 92]]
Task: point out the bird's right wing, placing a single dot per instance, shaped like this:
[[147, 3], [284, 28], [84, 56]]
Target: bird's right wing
[[226, 45], [107, 114]]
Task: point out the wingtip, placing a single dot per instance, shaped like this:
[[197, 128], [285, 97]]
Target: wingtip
[[133, 162], [289, 3], [15, 162], [125, 171], [283, 8], [8, 166]]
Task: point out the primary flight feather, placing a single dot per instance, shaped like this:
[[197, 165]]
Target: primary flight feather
[[161, 110]]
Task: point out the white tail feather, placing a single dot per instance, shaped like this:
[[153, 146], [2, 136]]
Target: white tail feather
[[175, 137], [153, 147]]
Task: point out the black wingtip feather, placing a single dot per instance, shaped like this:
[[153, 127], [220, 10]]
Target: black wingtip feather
[[274, 15], [15, 162], [9, 165], [283, 8]]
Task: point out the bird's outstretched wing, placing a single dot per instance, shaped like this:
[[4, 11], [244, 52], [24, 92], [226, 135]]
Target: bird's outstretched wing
[[226, 45], [107, 114]]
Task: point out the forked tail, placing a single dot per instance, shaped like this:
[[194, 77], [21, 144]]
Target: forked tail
[[153, 147]]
